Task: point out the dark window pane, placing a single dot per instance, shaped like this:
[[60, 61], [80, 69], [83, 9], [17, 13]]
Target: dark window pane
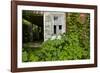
[[60, 27], [55, 17], [54, 29]]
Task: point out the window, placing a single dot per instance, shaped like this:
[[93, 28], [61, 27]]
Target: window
[[55, 17], [54, 29], [60, 27]]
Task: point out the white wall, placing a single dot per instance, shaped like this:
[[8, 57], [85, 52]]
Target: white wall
[[5, 40]]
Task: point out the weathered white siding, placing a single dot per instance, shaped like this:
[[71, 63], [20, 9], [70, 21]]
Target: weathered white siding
[[51, 19]]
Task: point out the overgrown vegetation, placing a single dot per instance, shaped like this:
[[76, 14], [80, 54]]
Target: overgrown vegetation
[[74, 44]]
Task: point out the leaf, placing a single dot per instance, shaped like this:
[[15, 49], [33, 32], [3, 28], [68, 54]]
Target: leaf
[[24, 56]]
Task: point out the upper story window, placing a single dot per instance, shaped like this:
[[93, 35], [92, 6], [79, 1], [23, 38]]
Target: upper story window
[[55, 18]]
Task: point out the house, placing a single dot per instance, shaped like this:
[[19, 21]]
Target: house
[[54, 24], [43, 25]]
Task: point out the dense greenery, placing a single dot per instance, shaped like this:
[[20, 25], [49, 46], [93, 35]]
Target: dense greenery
[[74, 44]]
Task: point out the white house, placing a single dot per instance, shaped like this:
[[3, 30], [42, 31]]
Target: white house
[[54, 24]]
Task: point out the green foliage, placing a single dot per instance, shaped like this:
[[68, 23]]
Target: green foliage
[[73, 45], [31, 25], [24, 56], [25, 22]]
